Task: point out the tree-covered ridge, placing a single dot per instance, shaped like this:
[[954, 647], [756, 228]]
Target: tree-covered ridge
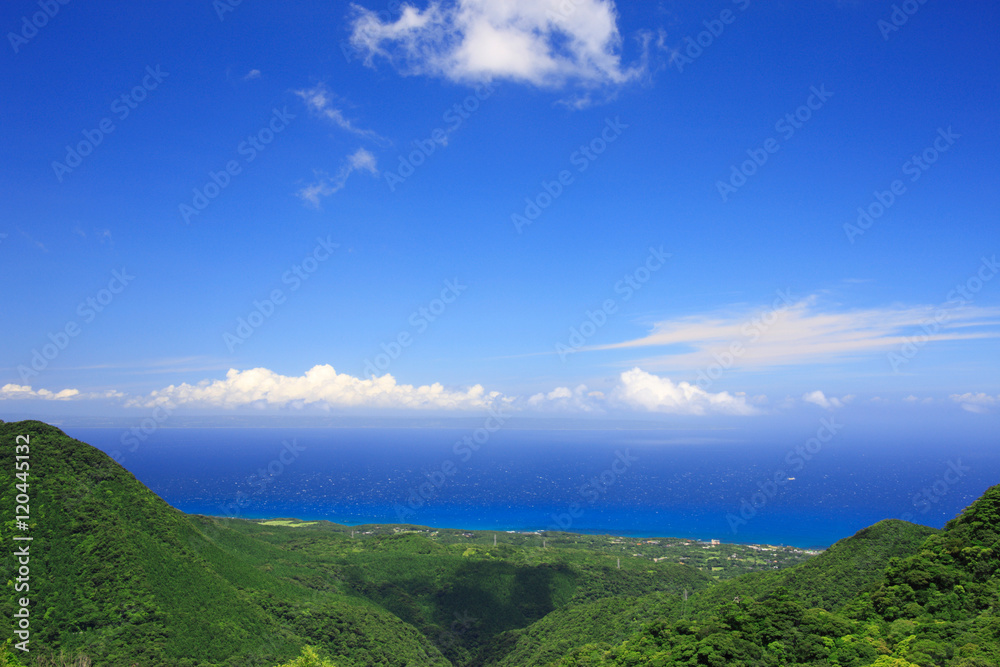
[[837, 575], [125, 579], [936, 607], [834, 577], [120, 577]]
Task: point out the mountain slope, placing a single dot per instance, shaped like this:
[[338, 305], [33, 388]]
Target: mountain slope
[[122, 577], [939, 606], [948, 594], [119, 575], [606, 621], [827, 581], [835, 576]]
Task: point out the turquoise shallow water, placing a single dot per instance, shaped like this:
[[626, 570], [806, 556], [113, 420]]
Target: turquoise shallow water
[[635, 483]]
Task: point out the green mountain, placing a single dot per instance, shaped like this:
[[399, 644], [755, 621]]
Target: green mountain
[[122, 577], [837, 575], [118, 577], [826, 581], [938, 606]]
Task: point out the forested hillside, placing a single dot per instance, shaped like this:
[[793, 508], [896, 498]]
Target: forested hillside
[[123, 578], [120, 578], [937, 606]]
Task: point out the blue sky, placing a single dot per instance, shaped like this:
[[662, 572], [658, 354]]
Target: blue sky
[[571, 208]]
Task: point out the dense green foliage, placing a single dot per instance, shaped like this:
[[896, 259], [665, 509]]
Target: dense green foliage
[[836, 576], [118, 575], [937, 606], [831, 579], [120, 578], [310, 658]]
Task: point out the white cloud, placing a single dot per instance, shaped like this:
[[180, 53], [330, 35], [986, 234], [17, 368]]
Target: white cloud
[[548, 43], [363, 160], [562, 399], [251, 75], [320, 102], [23, 391], [639, 389], [320, 385], [326, 185], [800, 332], [819, 398], [978, 403]]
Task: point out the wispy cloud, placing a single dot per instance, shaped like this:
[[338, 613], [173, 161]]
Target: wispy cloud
[[22, 391], [801, 333], [196, 364], [978, 403], [25, 392], [547, 43], [30, 239], [102, 235], [819, 398], [326, 185], [251, 75], [320, 102]]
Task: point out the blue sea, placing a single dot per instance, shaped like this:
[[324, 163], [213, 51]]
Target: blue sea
[[621, 482]]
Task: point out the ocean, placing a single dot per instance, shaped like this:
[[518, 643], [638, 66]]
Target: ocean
[[798, 492]]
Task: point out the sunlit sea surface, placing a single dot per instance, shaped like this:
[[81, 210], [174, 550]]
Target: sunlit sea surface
[[635, 483]]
